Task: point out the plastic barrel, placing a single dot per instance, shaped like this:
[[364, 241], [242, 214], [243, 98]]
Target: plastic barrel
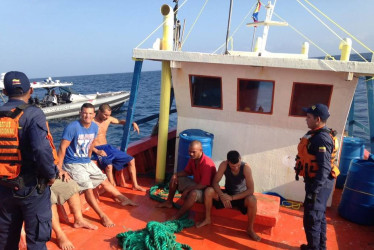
[[357, 202], [186, 137], [353, 148]]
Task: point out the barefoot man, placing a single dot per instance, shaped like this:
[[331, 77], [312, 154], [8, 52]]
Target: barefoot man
[[238, 192], [202, 168], [108, 156], [76, 148], [66, 190]]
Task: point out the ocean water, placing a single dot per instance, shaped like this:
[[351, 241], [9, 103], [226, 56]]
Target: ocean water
[[149, 99], [148, 102]]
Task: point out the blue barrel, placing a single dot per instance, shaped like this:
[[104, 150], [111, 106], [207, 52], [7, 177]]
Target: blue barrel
[[357, 202], [353, 148], [186, 137]]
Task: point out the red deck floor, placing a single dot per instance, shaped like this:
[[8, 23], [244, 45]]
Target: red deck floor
[[222, 234]]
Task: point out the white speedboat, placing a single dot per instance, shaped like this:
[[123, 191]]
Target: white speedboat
[[61, 101]]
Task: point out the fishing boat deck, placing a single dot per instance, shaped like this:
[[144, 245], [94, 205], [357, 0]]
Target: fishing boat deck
[[224, 233]]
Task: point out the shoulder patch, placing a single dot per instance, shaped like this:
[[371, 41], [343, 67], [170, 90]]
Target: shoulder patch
[[322, 149]]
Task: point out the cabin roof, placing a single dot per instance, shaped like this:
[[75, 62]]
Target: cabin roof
[[291, 61]]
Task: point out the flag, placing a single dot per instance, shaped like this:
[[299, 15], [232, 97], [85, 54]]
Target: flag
[[255, 12]]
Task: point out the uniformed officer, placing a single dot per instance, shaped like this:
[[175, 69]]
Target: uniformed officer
[[319, 181], [29, 203]]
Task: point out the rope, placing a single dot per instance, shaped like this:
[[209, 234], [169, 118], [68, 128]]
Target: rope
[[198, 16], [305, 37], [237, 28], [358, 191], [291, 204], [160, 193], [141, 43], [336, 24], [370, 79], [341, 39], [156, 236]]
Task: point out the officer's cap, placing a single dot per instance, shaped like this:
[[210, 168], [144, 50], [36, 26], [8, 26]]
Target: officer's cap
[[16, 83], [319, 109]]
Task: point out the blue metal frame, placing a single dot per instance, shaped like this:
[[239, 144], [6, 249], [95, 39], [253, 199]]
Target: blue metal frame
[[370, 100], [369, 93], [131, 106]]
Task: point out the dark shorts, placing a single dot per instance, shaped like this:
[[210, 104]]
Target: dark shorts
[[115, 157], [185, 182], [238, 204]]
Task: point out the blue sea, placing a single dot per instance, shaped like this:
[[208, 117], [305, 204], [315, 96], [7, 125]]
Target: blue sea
[[148, 102], [149, 99]]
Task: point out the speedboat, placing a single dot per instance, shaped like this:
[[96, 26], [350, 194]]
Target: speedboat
[[61, 101]]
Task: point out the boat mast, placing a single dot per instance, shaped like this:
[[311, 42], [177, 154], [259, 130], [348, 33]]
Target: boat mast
[[228, 27], [261, 41], [269, 14]]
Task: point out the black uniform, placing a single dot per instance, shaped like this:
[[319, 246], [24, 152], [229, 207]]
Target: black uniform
[[318, 189], [27, 204]]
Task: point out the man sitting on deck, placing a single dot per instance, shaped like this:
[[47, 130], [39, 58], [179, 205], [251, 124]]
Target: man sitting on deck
[[66, 190], [76, 148], [108, 156], [238, 192], [202, 168]]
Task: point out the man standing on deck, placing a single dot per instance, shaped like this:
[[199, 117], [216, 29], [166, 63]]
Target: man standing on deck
[[76, 148], [108, 156], [315, 162], [238, 192], [24, 198], [203, 170]]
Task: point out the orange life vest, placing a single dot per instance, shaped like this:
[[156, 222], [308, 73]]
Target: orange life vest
[[306, 164], [10, 153], [50, 139]]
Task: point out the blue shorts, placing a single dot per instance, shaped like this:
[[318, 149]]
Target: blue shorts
[[115, 157]]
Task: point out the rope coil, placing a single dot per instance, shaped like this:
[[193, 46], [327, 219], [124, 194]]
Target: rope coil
[[156, 236]]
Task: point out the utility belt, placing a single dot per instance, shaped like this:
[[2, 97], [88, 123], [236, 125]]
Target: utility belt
[[21, 181], [310, 180]]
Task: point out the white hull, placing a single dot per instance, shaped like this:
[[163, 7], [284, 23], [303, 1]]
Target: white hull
[[114, 99]]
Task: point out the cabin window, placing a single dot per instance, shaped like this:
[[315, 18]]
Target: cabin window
[[206, 91], [308, 94], [255, 96]]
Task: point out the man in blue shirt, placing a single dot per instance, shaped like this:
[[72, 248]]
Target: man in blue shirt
[[75, 150], [29, 201]]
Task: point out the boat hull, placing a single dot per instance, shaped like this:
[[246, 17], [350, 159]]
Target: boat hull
[[114, 99]]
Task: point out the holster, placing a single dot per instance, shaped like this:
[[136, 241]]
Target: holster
[[42, 184], [15, 184]]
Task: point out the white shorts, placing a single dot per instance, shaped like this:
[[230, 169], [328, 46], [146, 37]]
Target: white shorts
[[87, 175]]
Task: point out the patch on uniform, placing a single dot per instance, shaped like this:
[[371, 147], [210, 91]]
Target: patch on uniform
[[322, 149]]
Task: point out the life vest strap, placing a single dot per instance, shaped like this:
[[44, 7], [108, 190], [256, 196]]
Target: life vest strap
[[7, 139]]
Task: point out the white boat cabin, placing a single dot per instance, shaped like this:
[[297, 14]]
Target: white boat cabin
[[253, 104]]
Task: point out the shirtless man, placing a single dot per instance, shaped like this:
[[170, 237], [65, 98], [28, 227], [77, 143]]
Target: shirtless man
[[108, 156]]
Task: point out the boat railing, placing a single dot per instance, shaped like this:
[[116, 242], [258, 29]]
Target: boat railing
[[351, 119], [152, 117]]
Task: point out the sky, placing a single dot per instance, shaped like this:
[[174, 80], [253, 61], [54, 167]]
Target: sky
[[84, 37]]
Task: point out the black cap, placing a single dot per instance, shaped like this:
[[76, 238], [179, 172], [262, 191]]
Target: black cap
[[319, 109], [16, 83]]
